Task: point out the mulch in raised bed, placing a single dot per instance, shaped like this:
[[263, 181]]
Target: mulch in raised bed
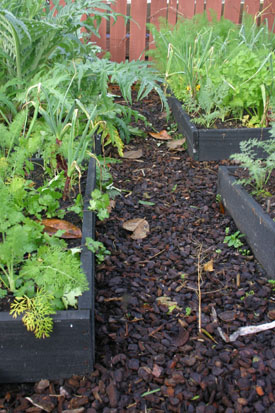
[[150, 357]]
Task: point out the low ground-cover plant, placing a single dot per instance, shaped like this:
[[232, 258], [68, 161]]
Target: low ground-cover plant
[[219, 70]]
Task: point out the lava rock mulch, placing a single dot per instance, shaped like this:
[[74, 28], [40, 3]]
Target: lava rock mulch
[[158, 342]]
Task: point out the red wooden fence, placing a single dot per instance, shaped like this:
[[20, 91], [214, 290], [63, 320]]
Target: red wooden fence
[[133, 40]]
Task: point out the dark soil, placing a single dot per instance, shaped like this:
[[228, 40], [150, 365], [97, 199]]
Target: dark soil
[[151, 355]]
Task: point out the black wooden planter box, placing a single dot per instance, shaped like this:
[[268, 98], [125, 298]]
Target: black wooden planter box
[[70, 348], [250, 218], [212, 144]]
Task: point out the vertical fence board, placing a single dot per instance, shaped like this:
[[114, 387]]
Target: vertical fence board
[[252, 7], [158, 9], [199, 6], [102, 41], [214, 5], [269, 13], [138, 29], [186, 8], [232, 9], [172, 12], [118, 33]]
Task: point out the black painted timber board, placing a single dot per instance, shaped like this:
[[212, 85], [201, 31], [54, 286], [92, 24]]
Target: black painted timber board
[[212, 144], [250, 219]]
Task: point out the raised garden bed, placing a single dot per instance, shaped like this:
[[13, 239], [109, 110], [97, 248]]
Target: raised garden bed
[[212, 144], [250, 218], [70, 348]]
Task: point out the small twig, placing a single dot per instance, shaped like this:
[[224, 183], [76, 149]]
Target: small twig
[[199, 285], [268, 203], [107, 300], [156, 330], [153, 256]]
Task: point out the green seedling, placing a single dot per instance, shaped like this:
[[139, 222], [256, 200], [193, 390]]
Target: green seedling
[[233, 240], [174, 188], [247, 294], [188, 311], [98, 248], [99, 203]]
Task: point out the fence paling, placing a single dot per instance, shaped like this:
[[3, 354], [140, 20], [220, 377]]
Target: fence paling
[[269, 12], [138, 30], [186, 8], [199, 6], [172, 12], [252, 7], [118, 32], [102, 41], [158, 9], [216, 6], [232, 9]]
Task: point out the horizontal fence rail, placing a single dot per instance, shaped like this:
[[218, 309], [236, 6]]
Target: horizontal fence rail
[[131, 41]]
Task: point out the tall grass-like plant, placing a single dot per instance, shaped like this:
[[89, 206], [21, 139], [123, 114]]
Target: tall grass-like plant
[[218, 69]]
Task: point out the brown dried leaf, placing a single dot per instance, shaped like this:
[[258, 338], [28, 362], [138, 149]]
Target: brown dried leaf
[[141, 230], [133, 154], [132, 224], [182, 338], [208, 266], [162, 135], [176, 145], [111, 205], [227, 316], [167, 302], [51, 226], [139, 227]]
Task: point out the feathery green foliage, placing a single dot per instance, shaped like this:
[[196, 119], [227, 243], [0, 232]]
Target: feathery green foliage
[[36, 313], [259, 169]]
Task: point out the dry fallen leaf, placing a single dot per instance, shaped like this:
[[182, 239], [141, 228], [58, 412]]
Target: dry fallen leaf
[[167, 302], [111, 205], [182, 338], [133, 154], [51, 226], [132, 224], [228, 316], [139, 227], [162, 135], [208, 266], [176, 145]]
